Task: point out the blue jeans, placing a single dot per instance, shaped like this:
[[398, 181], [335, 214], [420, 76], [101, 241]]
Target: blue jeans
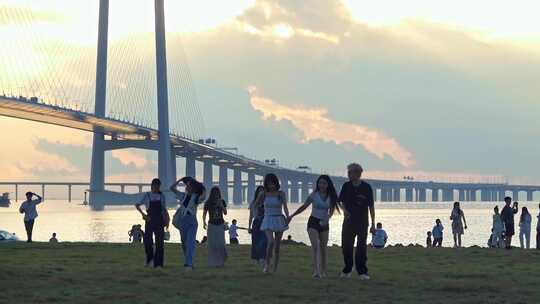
[[188, 234]]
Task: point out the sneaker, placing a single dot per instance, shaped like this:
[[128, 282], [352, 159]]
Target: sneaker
[[364, 277], [316, 276], [265, 269], [149, 264], [188, 268], [344, 275]]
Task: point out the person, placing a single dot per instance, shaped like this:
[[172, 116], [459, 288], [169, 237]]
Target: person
[[274, 222], [379, 237], [458, 220], [491, 241], [136, 234], [290, 241], [258, 236], [216, 207], [497, 229], [156, 219], [356, 197], [525, 229], [507, 217], [437, 232], [28, 207], [429, 242], [233, 232], [203, 240], [538, 230], [323, 203], [190, 200], [53, 239]]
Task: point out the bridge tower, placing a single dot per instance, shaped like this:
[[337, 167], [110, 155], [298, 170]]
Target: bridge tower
[[166, 157]]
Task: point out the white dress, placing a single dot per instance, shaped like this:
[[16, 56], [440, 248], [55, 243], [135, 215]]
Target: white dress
[[273, 220]]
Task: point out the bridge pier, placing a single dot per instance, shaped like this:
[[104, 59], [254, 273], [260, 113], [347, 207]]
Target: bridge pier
[[237, 186], [408, 194], [434, 195], [515, 195], [472, 195], [295, 197], [485, 196], [208, 175], [16, 192], [421, 195], [448, 195], [462, 195], [250, 187], [304, 191], [530, 196], [69, 193], [224, 183], [284, 181], [190, 164], [397, 195]]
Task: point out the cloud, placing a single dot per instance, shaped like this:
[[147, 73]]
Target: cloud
[[130, 157], [315, 124]]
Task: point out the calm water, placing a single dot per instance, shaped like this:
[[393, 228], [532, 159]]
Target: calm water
[[404, 222]]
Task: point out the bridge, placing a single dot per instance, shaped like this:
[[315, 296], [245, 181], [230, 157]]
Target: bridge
[[112, 132]]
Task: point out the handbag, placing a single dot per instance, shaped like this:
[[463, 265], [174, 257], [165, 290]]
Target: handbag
[[177, 218]]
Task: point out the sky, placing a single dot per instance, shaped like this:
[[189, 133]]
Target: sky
[[425, 88]]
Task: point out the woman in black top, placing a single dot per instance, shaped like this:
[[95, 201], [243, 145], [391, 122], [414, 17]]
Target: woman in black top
[[215, 207], [258, 237]]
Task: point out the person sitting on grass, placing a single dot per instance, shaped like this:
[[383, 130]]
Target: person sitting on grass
[[379, 237], [428, 240], [290, 241], [53, 239], [437, 233]]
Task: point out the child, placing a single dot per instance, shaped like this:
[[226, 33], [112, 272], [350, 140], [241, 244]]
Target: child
[[233, 233], [379, 237], [428, 240], [437, 233], [53, 239], [136, 234]]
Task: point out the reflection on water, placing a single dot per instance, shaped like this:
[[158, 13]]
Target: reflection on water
[[404, 222]]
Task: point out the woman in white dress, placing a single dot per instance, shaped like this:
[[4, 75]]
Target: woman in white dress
[[323, 203], [525, 229], [274, 222], [498, 228]]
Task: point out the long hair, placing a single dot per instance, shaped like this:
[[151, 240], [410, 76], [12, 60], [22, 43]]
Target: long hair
[[332, 194], [214, 197], [271, 178], [258, 191], [524, 211]]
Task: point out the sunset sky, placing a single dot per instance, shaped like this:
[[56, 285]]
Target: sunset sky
[[404, 87]]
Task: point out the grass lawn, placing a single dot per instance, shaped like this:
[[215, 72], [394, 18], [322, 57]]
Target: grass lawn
[[113, 273]]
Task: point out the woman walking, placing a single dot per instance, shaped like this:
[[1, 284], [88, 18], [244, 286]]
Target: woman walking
[[274, 222], [525, 228], [498, 227], [156, 218], [216, 207], [323, 203], [258, 237], [458, 219], [188, 216]]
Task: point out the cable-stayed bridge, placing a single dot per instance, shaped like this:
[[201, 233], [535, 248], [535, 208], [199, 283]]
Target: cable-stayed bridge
[[134, 94]]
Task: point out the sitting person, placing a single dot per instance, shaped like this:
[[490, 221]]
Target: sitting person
[[428, 240], [290, 241], [53, 239], [379, 237]]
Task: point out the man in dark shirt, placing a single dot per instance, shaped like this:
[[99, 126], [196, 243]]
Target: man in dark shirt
[[507, 217], [356, 197]]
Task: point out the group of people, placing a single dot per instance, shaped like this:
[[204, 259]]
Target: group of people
[[269, 218], [503, 228]]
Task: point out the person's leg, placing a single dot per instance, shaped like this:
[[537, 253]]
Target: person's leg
[[521, 236], [277, 246], [148, 243], [191, 240], [347, 247], [459, 239], [159, 254], [455, 239], [361, 251], [323, 236], [528, 239], [315, 250], [28, 225], [269, 249]]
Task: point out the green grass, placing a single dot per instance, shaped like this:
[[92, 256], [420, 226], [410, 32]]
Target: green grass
[[113, 273]]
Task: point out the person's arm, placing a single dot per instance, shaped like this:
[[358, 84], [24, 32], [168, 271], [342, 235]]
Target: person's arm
[[21, 209], [372, 214], [304, 206], [138, 207], [464, 220], [39, 198], [204, 217], [174, 186], [341, 199]]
